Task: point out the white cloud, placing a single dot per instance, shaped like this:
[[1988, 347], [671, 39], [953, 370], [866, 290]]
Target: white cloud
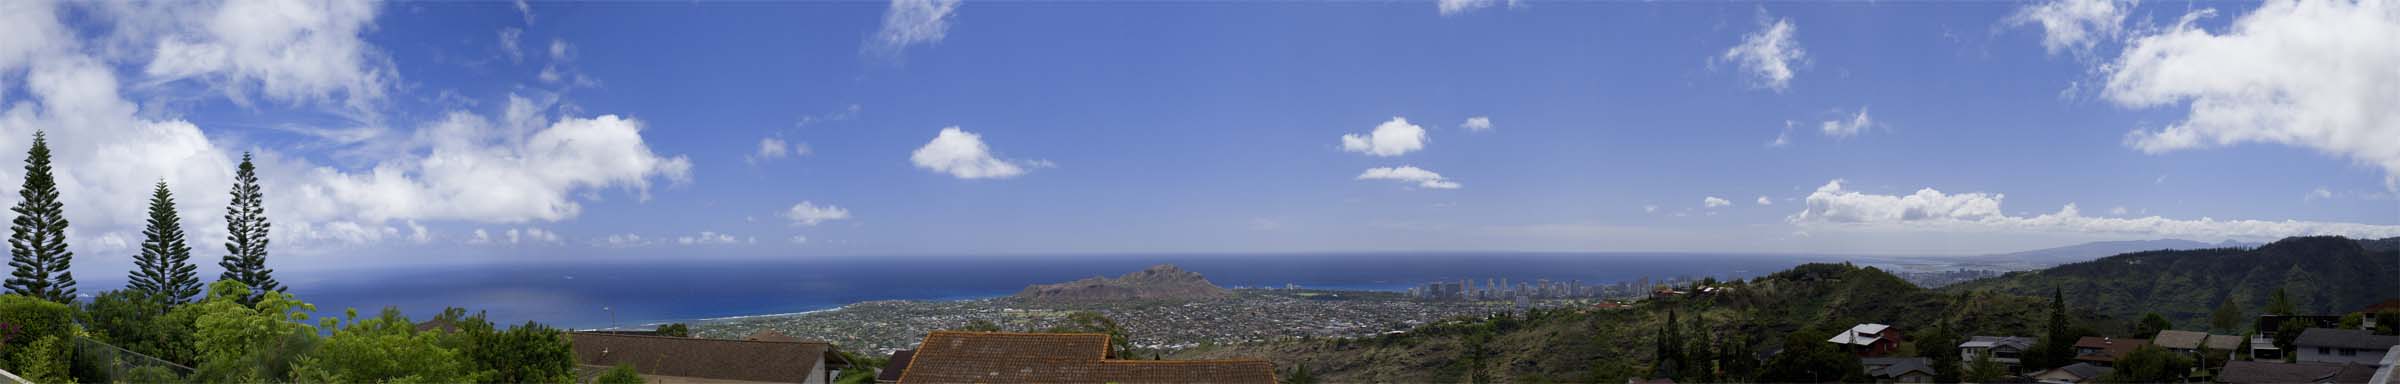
[[525, 8], [1455, 7], [2118, 211], [509, 39], [1650, 209], [466, 174], [963, 155], [1832, 207], [1763, 200], [772, 148], [2314, 74], [798, 239], [1477, 124], [1770, 54], [1392, 138], [2075, 25], [481, 237], [515, 236], [1784, 138], [2319, 194], [807, 213], [707, 238], [294, 51], [1843, 128], [1423, 178], [1713, 202], [911, 22], [625, 240]]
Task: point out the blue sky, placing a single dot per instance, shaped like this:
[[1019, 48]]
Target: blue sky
[[392, 133]]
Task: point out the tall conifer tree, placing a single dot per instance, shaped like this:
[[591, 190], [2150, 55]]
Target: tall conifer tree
[[164, 267], [246, 235], [37, 241]]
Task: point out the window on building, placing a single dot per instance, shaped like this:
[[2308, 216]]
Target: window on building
[[2324, 350], [2349, 352]]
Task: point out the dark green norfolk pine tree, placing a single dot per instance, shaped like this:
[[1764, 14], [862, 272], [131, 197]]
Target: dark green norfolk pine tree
[[246, 236], [37, 241], [164, 268]]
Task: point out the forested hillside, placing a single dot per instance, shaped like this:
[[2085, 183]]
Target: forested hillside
[[1724, 331], [2320, 275]]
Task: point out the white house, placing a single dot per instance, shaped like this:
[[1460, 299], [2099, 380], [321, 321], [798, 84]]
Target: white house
[[2006, 350], [2328, 345]]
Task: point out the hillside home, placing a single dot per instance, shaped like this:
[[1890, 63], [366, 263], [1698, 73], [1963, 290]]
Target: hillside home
[[2103, 351], [1868, 340], [1899, 369], [2008, 351], [999, 357], [683, 359], [2072, 374], [2190, 343], [2261, 372], [2327, 345]]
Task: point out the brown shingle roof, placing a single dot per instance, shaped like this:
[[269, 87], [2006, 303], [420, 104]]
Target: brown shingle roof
[[995, 357], [2110, 348], [701, 358], [893, 367]]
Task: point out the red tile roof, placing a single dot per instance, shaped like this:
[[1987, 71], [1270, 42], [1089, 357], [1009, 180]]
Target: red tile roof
[[767, 361], [998, 357]]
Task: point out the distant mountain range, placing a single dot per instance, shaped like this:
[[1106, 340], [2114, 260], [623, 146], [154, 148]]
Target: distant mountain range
[[2048, 257], [2323, 275], [1159, 282]]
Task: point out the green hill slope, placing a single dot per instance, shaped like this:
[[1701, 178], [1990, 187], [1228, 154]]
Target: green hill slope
[[1591, 344], [2324, 275]]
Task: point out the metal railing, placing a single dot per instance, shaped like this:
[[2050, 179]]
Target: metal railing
[[118, 365]]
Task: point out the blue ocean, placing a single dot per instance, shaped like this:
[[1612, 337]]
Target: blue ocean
[[598, 295]]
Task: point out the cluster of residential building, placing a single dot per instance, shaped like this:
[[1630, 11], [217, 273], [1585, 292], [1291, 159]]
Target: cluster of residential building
[[2325, 354], [1502, 289], [942, 357]]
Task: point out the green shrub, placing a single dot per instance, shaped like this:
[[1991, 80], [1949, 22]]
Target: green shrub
[[41, 361], [25, 320], [622, 374], [151, 375]]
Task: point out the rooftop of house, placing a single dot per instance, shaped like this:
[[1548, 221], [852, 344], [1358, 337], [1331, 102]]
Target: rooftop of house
[[2245, 372], [2083, 370], [1862, 334], [893, 367], [2109, 348], [990, 357], [2344, 338], [719, 359], [1889, 367], [2020, 343]]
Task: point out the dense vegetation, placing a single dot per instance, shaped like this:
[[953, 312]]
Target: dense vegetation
[[2221, 288], [1718, 336]]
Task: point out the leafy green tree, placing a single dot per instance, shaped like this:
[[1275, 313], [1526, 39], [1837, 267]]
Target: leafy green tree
[[1669, 361], [37, 240], [980, 325], [246, 230], [42, 361], [1940, 346], [2353, 320], [2387, 322], [1299, 375], [2150, 325], [2280, 304], [2227, 318], [528, 353], [385, 348], [139, 322], [2149, 364], [2286, 334], [622, 374], [25, 319], [1093, 322], [164, 270], [1808, 360], [1983, 370], [249, 343], [674, 330]]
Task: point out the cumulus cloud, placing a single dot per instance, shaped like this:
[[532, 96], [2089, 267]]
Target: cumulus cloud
[[798, 239], [1769, 54], [509, 39], [2075, 25], [1423, 178], [772, 148], [515, 236], [1713, 202], [1784, 138], [624, 240], [1832, 206], [296, 51], [707, 238], [1392, 138], [1477, 124], [1762, 200], [2310, 74], [466, 174], [911, 22], [963, 155], [1650, 209], [1843, 128], [807, 213]]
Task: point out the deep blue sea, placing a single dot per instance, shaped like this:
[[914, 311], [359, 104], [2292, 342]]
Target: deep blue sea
[[592, 295]]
